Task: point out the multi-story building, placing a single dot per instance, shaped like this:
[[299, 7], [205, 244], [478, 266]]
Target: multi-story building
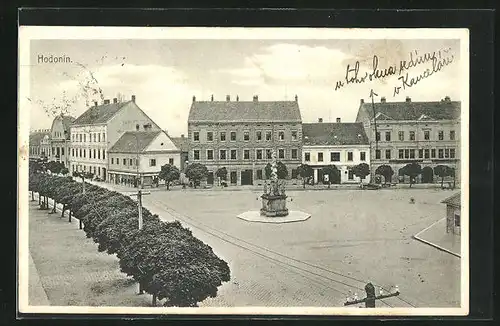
[[59, 137], [139, 155], [240, 136], [182, 143], [95, 131], [36, 140], [453, 209], [403, 132], [344, 145]]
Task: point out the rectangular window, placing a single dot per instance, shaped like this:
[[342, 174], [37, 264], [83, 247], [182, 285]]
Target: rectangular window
[[294, 134], [377, 136], [246, 136], [171, 161], [452, 153], [62, 151], [259, 174], [196, 154], [281, 135], [80, 137], [452, 134], [426, 153], [440, 153], [85, 138], [440, 135], [99, 170], [130, 162], [124, 161], [268, 135], [377, 154], [81, 155], [269, 154], [388, 154], [53, 151], [152, 162], [85, 153], [222, 136], [433, 153], [401, 154], [258, 135], [210, 154], [412, 153], [407, 153], [427, 134], [335, 156], [295, 153], [103, 137], [387, 136], [349, 156], [320, 157], [401, 135], [94, 154], [412, 135], [210, 136], [196, 136], [103, 154], [112, 160], [457, 220], [58, 151], [351, 175], [420, 153], [362, 156], [446, 153], [246, 154], [307, 157], [222, 154], [259, 154], [99, 137], [233, 154], [73, 152], [233, 135]]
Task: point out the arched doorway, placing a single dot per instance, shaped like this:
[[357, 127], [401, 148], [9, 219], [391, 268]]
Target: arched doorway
[[427, 175]]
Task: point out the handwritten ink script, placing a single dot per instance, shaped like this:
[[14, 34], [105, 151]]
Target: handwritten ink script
[[404, 71]]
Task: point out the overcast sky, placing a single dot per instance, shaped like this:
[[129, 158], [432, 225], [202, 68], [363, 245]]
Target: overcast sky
[[165, 74]]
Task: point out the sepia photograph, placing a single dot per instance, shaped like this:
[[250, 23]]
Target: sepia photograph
[[243, 171]]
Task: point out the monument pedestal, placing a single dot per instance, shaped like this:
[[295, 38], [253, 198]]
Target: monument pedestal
[[273, 205]]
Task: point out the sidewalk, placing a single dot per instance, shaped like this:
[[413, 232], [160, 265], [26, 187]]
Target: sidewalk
[[36, 292], [436, 236], [71, 270]]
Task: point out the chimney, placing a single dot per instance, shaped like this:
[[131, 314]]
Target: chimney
[[255, 98], [361, 101], [320, 120], [382, 99], [95, 103], [296, 98], [338, 120], [133, 98], [182, 136], [447, 99], [408, 99], [228, 98], [237, 98], [106, 101], [194, 98], [212, 98], [115, 100]]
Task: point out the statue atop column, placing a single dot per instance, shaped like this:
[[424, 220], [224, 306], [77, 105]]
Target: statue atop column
[[274, 198]]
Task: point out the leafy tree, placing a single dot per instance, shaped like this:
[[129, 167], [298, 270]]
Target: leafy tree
[[412, 170], [282, 171], [442, 171], [55, 167], [385, 171], [196, 172], [331, 171], [169, 173], [306, 172], [452, 174], [64, 171], [221, 173], [361, 170]]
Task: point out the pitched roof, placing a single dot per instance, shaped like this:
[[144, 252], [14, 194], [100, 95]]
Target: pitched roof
[[67, 121], [442, 110], [134, 141], [249, 111], [181, 142], [99, 114], [36, 137], [334, 134], [453, 200]]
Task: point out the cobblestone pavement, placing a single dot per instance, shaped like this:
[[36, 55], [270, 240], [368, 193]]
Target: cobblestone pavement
[[352, 237], [71, 270]]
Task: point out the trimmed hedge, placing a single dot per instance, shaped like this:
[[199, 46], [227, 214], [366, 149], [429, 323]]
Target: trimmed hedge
[[164, 257]]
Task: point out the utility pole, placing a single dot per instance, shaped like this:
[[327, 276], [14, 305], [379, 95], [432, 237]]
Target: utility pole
[[371, 297]]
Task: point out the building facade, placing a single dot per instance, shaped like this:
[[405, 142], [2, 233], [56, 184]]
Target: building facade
[[240, 136], [137, 157], [182, 144], [60, 139], [427, 133], [94, 132], [344, 145], [453, 214], [37, 148]]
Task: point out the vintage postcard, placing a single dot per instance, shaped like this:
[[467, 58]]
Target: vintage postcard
[[243, 171]]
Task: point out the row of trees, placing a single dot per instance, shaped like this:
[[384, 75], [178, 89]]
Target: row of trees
[[165, 258], [413, 170], [306, 172]]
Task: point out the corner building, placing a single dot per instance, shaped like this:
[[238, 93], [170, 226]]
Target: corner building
[[240, 136]]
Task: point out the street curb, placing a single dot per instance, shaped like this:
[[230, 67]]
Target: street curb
[[416, 237]]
